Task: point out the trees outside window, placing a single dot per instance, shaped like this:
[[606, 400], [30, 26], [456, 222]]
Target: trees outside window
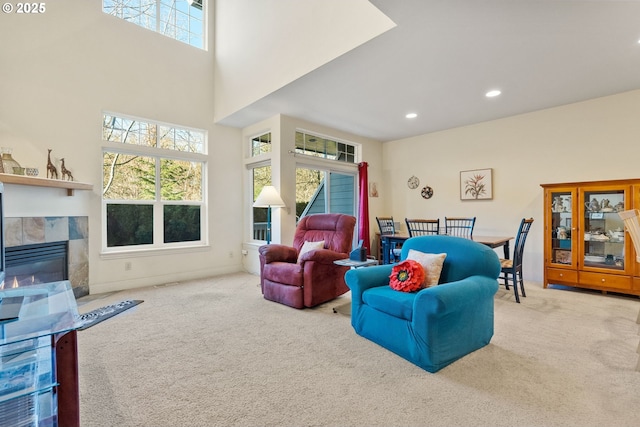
[[323, 191], [182, 20], [152, 184]]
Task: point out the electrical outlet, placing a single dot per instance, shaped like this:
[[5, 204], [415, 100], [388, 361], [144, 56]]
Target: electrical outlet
[[245, 252]]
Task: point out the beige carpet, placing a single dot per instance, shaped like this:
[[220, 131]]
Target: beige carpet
[[214, 353]]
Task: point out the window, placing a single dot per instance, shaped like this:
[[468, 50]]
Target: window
[[317, 146], [322, 191], [261, 144], [182, 20], [261, 177], [325, 187], [153, 195]]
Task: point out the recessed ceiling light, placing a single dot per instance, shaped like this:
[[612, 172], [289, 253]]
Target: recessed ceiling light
[[411, 115], [492, 93]]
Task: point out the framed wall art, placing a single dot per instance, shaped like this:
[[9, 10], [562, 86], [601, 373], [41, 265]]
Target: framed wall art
[[476, 184]]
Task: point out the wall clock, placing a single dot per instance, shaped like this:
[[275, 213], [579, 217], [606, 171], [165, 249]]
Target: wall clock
[[413, 182], [427, 192]]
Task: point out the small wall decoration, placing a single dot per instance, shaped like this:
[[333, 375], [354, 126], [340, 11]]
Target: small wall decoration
[[426, 192], [413, 182], [476, 184], [373, 189]]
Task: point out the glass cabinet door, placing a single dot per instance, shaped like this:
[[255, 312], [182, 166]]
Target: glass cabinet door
[[603, 229], [562, 227]]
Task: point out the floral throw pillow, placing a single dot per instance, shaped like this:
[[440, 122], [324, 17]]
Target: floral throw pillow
[[432, 264], [407, 276]]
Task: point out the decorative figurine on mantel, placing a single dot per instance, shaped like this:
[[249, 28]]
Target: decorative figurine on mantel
[[52, 171], [65, 172]]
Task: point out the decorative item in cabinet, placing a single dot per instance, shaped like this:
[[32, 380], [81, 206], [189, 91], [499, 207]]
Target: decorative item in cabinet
[[602, 246], [563, 257], [584, 240], [559, 227]]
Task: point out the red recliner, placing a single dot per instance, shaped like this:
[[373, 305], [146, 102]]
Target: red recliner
[[314, 278]]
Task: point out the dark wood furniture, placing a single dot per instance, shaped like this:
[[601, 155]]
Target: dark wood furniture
[[459, 226], [422, 227], [513, 267], [399, 238]]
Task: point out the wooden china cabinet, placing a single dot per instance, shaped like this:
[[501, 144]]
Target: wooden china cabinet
[[585, 244]]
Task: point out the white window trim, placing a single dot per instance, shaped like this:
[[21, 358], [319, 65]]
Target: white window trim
[[157, 153]]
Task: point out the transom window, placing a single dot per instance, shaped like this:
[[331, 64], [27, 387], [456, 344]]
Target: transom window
[[182, 20], [153, 187], [261, 144], [318, 146]]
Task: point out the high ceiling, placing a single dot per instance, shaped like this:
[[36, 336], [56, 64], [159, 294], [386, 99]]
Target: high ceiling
[[444, 55]]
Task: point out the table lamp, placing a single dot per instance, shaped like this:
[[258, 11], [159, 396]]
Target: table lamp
[[631, 220], [268, 198]]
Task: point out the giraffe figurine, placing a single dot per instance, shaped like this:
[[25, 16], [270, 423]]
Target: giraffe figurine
[[51, 168], [65, 172]]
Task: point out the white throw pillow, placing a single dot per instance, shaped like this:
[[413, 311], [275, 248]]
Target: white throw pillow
[[310, 246], [432, 264]]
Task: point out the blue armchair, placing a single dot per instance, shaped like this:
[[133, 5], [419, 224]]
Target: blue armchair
[[435, 326]]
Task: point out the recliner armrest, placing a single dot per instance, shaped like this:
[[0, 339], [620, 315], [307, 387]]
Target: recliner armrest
[[323, 256], [276, 252]]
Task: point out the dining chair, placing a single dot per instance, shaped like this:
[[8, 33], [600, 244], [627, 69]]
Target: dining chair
[[422, 227], [513, 266], [459, 226], [387, 226]]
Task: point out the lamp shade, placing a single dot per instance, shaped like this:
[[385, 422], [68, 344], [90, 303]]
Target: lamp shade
[[631, 220], [268, 197]]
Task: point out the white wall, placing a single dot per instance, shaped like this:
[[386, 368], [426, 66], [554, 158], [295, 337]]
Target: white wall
[[59, 71], [592, 140], [264, 45]]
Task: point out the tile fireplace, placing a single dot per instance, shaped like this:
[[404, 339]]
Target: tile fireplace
[[52, 242]]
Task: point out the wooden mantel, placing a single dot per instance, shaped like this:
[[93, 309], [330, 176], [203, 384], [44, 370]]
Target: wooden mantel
[[70, 186]]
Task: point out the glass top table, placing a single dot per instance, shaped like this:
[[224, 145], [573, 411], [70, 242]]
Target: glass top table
[[46, 309]]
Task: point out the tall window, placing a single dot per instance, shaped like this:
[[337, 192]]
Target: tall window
[[182, 20], [261, 177], [152, 193]]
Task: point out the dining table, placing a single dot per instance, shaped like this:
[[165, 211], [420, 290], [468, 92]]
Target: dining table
[[389, 241]]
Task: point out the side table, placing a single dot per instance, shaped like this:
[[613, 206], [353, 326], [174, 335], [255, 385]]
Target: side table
[[354, 264]]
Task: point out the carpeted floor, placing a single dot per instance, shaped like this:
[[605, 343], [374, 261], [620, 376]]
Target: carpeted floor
[[214, 353]]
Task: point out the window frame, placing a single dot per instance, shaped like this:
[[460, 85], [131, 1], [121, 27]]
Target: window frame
[[355, 155], [158, 203], [251, 167], [159, 6]]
